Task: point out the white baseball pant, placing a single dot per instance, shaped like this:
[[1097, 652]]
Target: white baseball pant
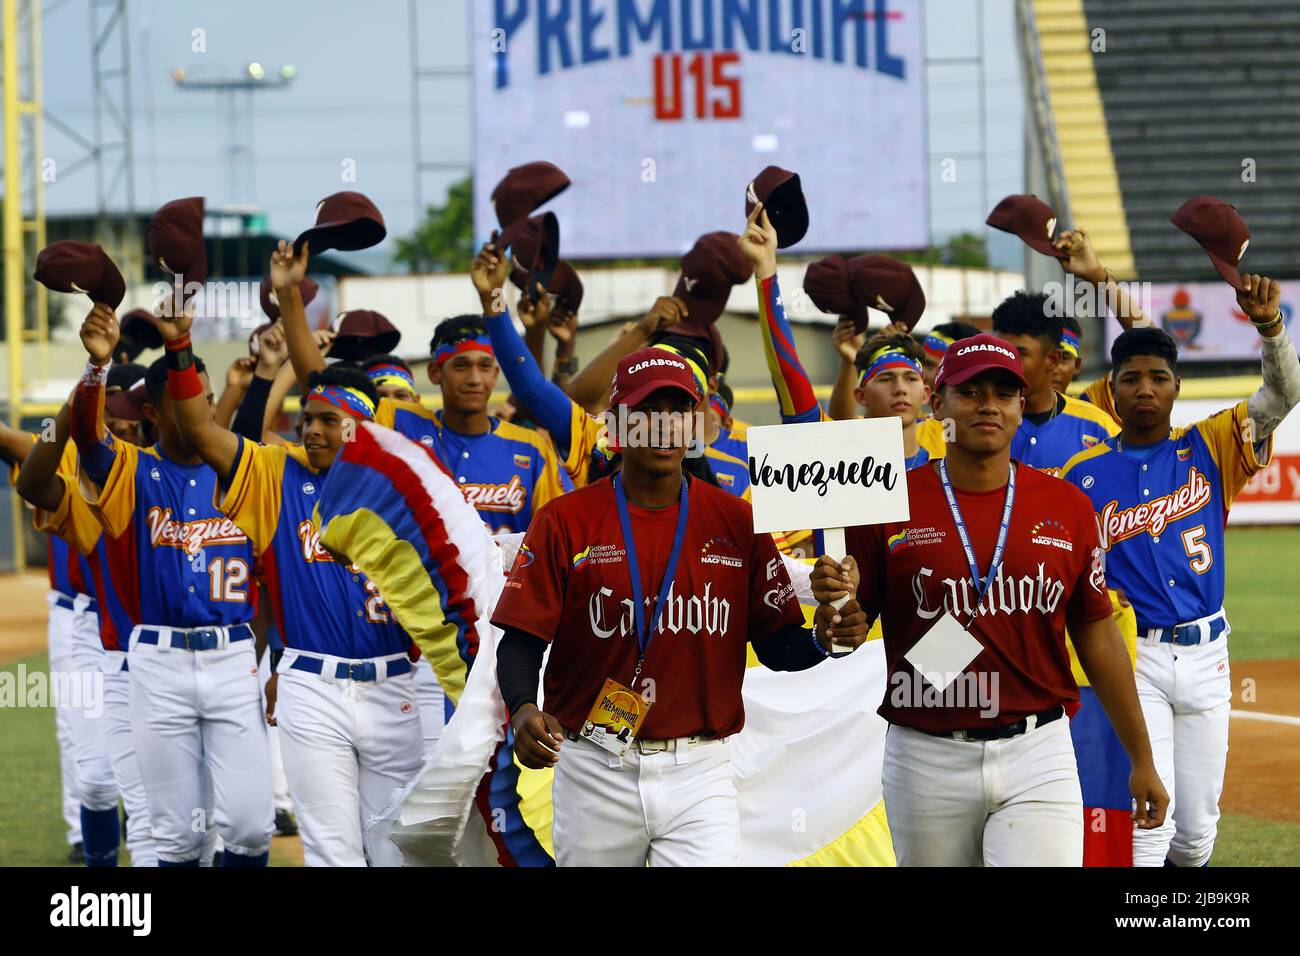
[[677, 807], [192, 709], [433, 703], [348, 747], [59, 634], [1010, 802], [1186, 697]]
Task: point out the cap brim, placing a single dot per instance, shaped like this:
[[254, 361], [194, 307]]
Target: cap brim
[[642, 392], [1230, 273], [965, 375], [1045, 247], [354, 348], [348, 236], [120, 405]]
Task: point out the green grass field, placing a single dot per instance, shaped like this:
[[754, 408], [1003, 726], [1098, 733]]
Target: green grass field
[[1262, 577]]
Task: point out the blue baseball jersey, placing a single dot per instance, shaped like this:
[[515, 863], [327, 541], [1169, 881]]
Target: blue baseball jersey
[[1077, 427], [733, 441], [183, 563], [731, 473], [506, 474], [318, 605], [1161, 516]]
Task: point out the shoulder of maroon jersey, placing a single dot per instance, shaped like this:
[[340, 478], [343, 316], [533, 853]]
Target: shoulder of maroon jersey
[[584, 500]]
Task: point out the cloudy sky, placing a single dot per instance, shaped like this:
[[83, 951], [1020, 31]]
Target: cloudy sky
[[351, 96]]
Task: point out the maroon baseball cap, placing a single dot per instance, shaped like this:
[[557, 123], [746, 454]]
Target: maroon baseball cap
[[1220, 230], [71, 266], [525, 188], [139, 326], [362, 333], [346, 221], [781, 194], [534, 245], [127, 404], [709, 271], [1031, 219], [271, 306], [827, 283], [888, 284], [565, 285], [966, 358], [645, 371], [175, 239]]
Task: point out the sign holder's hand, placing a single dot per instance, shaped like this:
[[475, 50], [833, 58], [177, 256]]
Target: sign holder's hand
[[833, 539]]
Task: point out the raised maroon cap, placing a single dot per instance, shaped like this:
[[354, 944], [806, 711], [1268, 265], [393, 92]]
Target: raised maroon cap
[[966, 358], [140, 327], [1031, 219], [175, 239], [1220, 230], [362, 333], [346, 221], [645, 371], [781, 194], [826, 282], [525, 188], [887, 284], [534, 245], [71, 266], [710, 340], [127, 404], [565, 286], [271, 306], [710, 270]]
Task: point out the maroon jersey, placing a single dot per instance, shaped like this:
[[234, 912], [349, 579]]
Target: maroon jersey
[[570, 586], [913, 571]]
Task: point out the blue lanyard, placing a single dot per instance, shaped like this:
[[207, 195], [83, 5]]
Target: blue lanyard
[[980, 589], [643, 633]]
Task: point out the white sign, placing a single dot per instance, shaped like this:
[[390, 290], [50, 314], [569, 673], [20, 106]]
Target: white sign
[[661, 111], [827, 474]]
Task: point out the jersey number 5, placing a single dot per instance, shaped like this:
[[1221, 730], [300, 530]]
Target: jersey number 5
[[1197, 550], [224, 579]]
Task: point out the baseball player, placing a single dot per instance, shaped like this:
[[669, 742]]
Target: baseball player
[[647, 586], [974, 595], [105, 750], [342, 693], [1055, 426], [182, 571], [1071, 356], [68, 598], [1161, 497]]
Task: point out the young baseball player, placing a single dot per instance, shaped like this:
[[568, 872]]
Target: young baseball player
[[505, 472], [182, 571], [106, 756], [647, 587], [393, 378], [1071, 356], [342, 694], [974, 595], [1055, 426], [1161, 497]]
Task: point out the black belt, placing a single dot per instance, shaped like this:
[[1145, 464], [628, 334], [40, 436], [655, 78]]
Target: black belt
[[1001, 733]]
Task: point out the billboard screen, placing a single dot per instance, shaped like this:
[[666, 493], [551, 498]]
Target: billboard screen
[[661, 111]]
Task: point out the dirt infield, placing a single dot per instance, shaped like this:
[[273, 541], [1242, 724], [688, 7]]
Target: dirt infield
[[1263, 774]]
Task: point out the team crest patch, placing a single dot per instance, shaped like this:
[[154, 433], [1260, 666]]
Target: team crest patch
[[523, 461], [426, 441], [1184, 453], [726, 481], [153, 473], [1052, 534], [721, 551], [308, 488], [1089, 441], [1089, 481]]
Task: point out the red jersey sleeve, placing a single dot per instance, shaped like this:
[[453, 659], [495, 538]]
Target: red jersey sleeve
[[1089, 601], [533, 597], [772, 602], [866, 544]]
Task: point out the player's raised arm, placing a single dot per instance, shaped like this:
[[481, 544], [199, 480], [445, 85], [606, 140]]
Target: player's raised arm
[[847, 341], [287, 271], [793, 387], [99, 334], [217, 446], [14, 444], [38, 481], [256, 409], [1280, 391], [1084, 264]]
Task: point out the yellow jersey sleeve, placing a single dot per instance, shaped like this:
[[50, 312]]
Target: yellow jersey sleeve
[[73, 520], [1229, 435], [929, 435], [585, 434], [549, 484], [113, 504], [1100, 394], [256, 491]]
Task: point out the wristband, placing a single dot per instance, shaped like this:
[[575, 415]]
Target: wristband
[[178, 354], [818, 644], [95, 374], [183, 382], [1265, 326]]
